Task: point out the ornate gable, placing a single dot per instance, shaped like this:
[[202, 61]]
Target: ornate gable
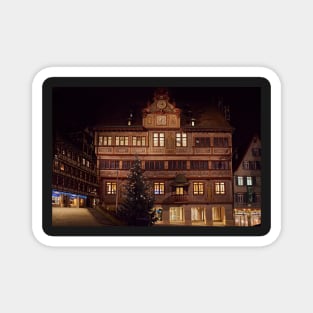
[[161, 113]]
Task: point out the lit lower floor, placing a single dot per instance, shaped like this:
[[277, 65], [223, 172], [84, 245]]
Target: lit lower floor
[[194, 215], [247, 216], [71, 200]]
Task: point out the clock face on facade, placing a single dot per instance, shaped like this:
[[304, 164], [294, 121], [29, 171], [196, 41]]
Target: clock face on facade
[[161, 120], [161, 104]]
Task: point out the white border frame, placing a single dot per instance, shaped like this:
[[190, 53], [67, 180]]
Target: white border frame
[[160, 241]]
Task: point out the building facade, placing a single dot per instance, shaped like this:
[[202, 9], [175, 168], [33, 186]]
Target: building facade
[[74, 171], [247, 186], [187, 161]]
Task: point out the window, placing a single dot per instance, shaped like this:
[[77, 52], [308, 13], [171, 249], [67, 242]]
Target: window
[[62, 168], [177, 165], [181, 140], [240, 181], [110, 188], [126, 165], [179, 190], [219, 188], [176, 214], [240, 197], [84, 161], [121, 141], [100, 140], [218, 214], [107, 141], [202, 142], [154, 165], [199, 165], [197, 214], [221, 142], [158, 139], [159, 188], [220, 165], [251, 165], [139, 141], [249, 181], [256, 152], [108, 164], [257, 197], [198, 188]]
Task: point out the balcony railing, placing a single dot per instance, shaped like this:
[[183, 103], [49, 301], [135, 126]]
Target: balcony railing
[[179, 198]]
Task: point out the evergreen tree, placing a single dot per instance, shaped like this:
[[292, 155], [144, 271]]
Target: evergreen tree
[[137, 207]]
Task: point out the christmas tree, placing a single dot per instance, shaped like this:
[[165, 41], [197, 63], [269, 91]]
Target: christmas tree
[[137, 207]]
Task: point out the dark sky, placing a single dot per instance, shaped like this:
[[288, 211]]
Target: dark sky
[[77, 107]]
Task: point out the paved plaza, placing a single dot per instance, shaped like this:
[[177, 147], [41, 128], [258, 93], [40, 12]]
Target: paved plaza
[[79, 217]]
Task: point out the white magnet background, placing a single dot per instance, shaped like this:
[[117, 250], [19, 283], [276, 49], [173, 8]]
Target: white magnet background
[[36, 34]]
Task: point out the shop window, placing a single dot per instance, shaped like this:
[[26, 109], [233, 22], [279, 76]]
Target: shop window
[[176, 214], [197, 214]]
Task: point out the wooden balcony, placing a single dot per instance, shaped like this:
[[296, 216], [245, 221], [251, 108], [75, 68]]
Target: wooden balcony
[[179, 198]]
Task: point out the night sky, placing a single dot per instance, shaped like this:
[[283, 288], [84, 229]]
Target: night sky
[[76, 107]]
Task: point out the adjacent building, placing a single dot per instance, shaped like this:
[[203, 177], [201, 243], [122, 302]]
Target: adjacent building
[[247, 186], [74, 170], [186, 157]]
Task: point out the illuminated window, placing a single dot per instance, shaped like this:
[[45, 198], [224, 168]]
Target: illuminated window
[[107, 141], [197, 214], [110, 188], [139, 141], [121, 141], [176, 214], [240, 181], [198, 188], [249, 181], [219, 188], [100, 140], [159, 188], [218, 214], [179, 190], [62, 168], [158, 139], [181, 140]]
